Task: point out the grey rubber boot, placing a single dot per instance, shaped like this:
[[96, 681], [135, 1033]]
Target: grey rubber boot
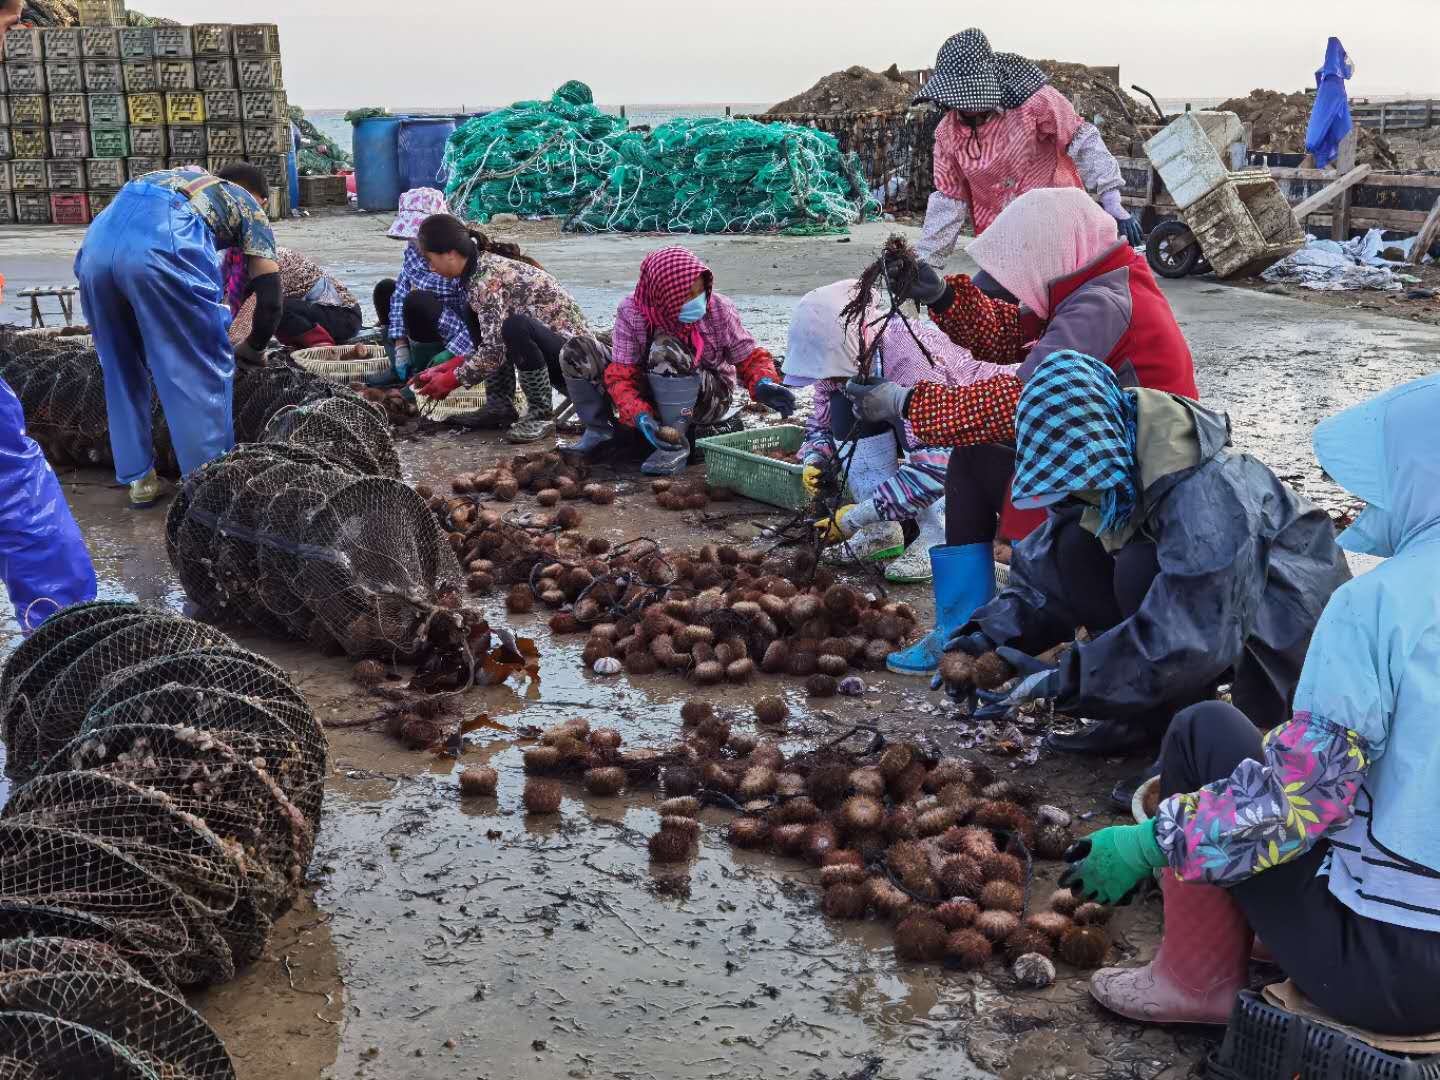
[[674, 407], [594, 412]]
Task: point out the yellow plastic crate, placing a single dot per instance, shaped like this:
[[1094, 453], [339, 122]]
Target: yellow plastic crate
[[146, 110], [185, 108]]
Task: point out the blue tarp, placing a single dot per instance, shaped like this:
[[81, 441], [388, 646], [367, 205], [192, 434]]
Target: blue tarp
[[1330, 118]]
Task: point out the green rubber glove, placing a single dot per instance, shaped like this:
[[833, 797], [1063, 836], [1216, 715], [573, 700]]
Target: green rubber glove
[[1109, 865]]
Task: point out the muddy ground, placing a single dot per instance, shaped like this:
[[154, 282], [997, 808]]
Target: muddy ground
[[448, 938]]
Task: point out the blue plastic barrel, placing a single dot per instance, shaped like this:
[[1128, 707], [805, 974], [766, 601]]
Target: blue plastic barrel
[[422, 149], [377, 163]]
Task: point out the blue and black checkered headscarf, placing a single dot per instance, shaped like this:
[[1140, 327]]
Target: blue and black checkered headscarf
[[1075, 431]]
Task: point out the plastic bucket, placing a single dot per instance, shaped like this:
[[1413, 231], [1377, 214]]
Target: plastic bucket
[[377, 163], [422, 149]]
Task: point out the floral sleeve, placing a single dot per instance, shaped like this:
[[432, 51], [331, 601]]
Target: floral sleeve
[[991, 329], [1266, 814], [982, 412]]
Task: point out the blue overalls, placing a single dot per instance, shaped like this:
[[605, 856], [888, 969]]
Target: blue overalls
[[152, 288]]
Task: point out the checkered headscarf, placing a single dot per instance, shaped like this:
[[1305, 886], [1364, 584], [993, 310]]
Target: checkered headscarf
[[1075, 431], [1019, 79], [966, 76], [666, 278]]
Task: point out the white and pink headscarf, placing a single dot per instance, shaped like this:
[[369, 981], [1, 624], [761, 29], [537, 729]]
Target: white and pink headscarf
[[666, 278]]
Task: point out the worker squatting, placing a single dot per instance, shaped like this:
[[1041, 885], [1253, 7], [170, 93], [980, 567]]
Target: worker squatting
[[1051, 400]]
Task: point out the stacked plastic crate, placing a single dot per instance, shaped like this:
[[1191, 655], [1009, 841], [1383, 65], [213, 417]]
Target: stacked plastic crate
[[84, 108]]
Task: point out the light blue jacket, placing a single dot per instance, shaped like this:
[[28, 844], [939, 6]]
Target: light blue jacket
[[1374, 662]]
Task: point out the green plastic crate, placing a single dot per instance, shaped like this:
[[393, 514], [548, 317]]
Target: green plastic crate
[[737, 462]]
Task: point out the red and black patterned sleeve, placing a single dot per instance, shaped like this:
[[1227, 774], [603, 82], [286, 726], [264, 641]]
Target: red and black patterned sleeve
[[758, 365], [991, 329], [982, 412], [625, 385]]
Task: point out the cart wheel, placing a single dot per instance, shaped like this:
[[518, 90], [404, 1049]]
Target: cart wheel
[[1162, 254]]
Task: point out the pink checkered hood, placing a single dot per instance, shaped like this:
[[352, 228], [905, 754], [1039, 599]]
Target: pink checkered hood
[[666, 278]]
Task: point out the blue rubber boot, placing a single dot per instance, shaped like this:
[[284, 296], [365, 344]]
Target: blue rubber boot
[[964, 582]]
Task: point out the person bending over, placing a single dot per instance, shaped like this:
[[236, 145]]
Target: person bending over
[[317, 310]]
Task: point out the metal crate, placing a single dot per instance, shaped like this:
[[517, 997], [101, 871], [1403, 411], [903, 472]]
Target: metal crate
[[259, 73], [70, 208], [23, 43], [145, 109], [29, 109], [264, 106], [148, 141], [102, 12], [70, 144], [137, 43], [64, 77], [175, 74], [222, 105], [215, 73], [61, 42], [185, 107], [104, 76], [107, 109], [99, 43], [267, 139], [99, 200], [26, 78], [212, 39], [7, 209], [28, 176], [141, 77], [109, 142], [65, 175], [256, 39], [105, 174], [7, 146], [174, 42], [69, 109], [32, 207], [7, 179], [224, 139], [139, 166], [187, 141], [29, 143]]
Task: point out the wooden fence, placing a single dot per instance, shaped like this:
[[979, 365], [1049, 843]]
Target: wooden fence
[[1391, 116]]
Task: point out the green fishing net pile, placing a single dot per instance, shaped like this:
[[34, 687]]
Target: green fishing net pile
[[565, 158]]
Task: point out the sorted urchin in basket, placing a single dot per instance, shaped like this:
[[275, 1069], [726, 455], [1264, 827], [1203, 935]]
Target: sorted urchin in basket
[[154, 847]]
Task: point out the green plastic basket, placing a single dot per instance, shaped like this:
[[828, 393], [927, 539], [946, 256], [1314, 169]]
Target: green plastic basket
[[737, 462]]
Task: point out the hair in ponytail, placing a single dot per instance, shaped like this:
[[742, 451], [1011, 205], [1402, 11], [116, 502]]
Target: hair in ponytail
[[443, 233]]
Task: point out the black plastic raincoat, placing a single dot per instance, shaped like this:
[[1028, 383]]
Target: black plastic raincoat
[[1246, 567]]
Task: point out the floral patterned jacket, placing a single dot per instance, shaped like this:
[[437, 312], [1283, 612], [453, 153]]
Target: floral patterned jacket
[[502, 287]]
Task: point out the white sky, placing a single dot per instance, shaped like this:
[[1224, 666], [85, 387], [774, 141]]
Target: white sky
[[349, 53]]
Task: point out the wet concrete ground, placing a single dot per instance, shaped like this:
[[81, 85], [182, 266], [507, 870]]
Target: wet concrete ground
[[553, 950]]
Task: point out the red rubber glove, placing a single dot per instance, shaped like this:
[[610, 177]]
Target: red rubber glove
[[438, 382]]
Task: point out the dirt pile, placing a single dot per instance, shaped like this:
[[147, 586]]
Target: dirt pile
[[1114, 111], [856, 89], [1418, 150], [1280, 121]]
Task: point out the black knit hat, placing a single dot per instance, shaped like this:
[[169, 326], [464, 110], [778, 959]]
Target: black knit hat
[[1019, 79], [966, 77]]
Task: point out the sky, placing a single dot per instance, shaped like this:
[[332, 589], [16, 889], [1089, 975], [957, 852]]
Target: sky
[[491, 52]]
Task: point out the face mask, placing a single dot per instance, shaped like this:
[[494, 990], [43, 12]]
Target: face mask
[[694, 310]]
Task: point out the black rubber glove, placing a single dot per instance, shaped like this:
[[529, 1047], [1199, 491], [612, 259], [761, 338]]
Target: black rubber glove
[[976, 643], [269, 307], [1130, 231], [928, 286]]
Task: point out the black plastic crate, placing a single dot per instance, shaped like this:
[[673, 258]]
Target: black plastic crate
[[148, 141], [105, 174], [188, 141], [217, 163], [275, 167], [224, 140], [222, 105], [256, 39], [4, 110], [270, 138], [64, 77], [215, 72], [104, 76], [141, 77], [1266, 1043], [61, 42], [7, 146], [99, 43], [32, 207], [185, 162], [24, 43], [137, 43], [175, 74], [69, 109], [259, 73], [99, 200], [65, 175], [7, 209], [139, 166], [174, 42], [25, 78], [212, 39], [108, 109], [29, 110], [264, 106]]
